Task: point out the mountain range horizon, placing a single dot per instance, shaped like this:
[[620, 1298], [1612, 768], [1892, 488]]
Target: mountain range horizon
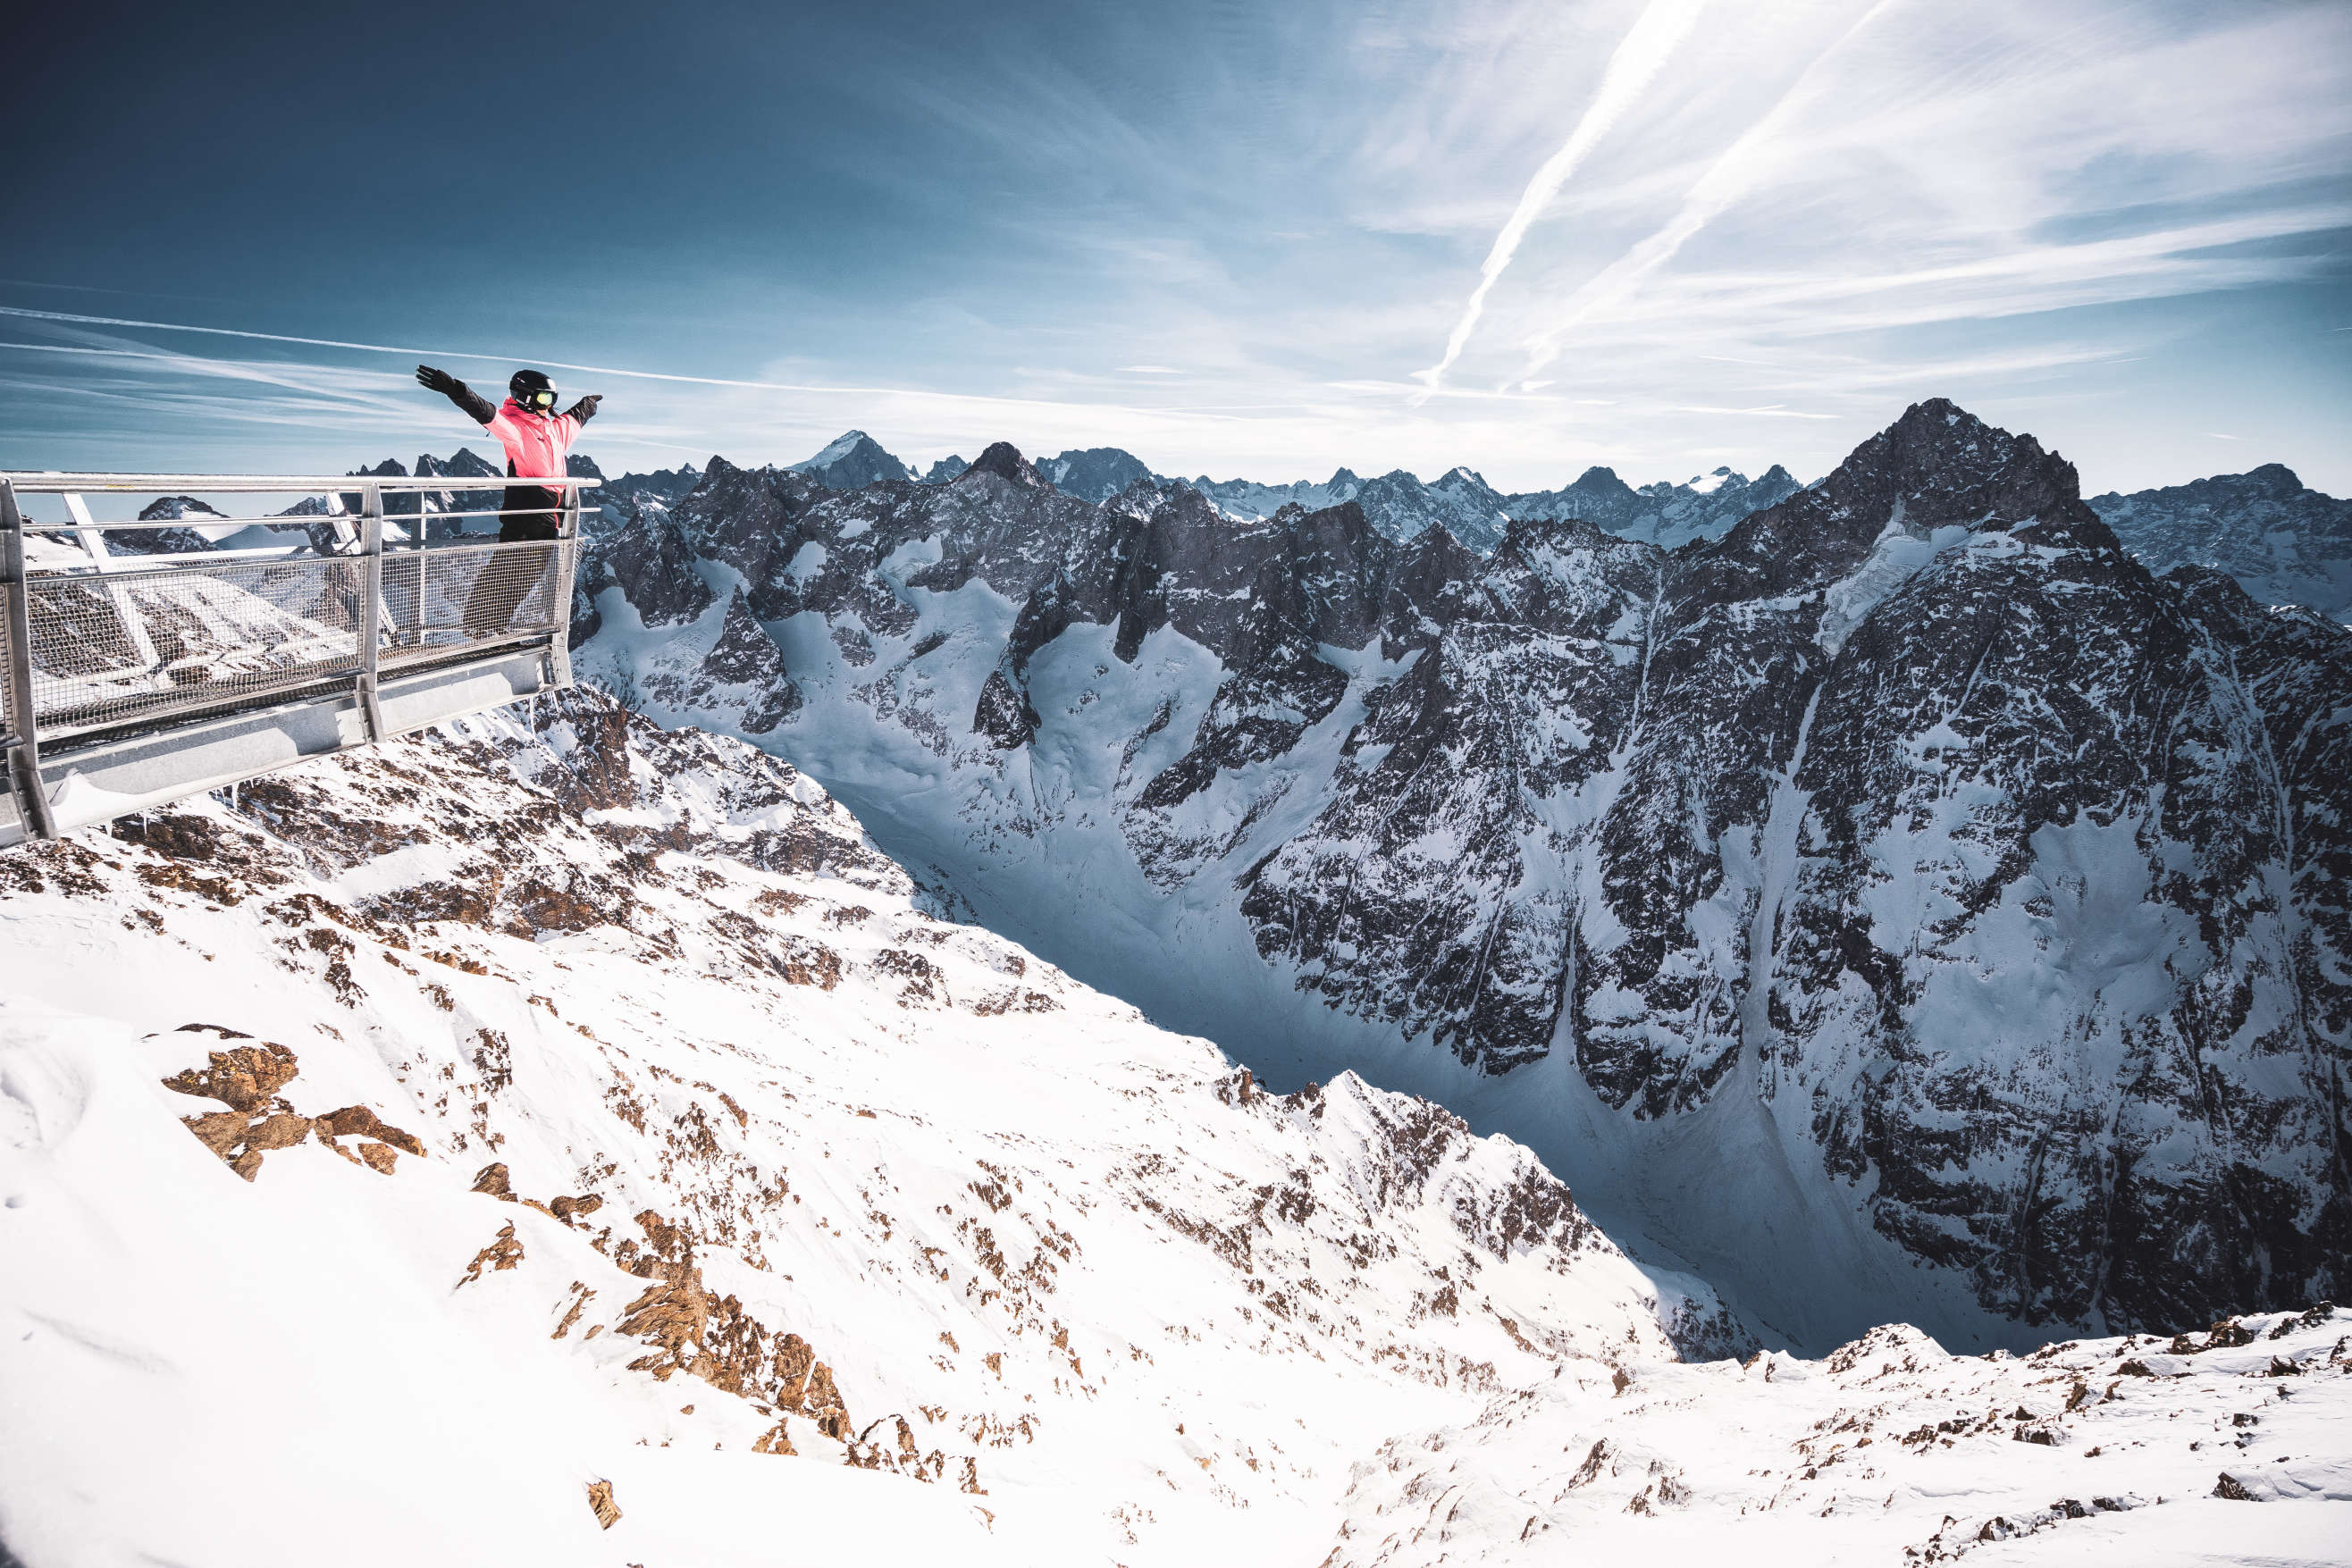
[[2284, 541]]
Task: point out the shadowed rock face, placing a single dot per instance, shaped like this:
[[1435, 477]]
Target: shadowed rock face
[[2003, 880]]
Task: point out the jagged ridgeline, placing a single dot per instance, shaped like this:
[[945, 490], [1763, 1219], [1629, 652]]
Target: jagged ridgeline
[[1901, 906]]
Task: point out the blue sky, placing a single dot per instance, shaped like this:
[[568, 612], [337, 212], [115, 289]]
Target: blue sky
[[1233, 238]]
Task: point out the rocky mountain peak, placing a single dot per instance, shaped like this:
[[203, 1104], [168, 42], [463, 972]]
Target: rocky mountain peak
[[2275, 479], [1095, 473], [851, 461], [1004, 460], [1949, 466], [463, 464], [1937, 466], [178, 506]]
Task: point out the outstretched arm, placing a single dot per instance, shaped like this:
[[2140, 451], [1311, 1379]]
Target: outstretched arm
[[585, 409], [477, 407]]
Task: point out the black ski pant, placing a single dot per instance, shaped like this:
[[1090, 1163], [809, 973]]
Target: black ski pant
[[507, 575]]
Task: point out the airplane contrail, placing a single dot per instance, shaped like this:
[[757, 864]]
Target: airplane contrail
[[1727, 179], [1643, 51], [27, 313]]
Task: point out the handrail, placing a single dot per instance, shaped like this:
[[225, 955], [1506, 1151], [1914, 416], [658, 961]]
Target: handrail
[[52, 482], [290, 519], [96, 654]]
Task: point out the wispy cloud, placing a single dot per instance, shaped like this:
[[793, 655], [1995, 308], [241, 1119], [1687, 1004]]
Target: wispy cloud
[[1730, 177], [1656, 32]]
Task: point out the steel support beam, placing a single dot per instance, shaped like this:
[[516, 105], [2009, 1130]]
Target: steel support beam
[[24, 738], [93, 544], [567, 551], [371, 608]]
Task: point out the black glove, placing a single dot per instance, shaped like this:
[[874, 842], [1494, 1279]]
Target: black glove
[[441, 382], [586, 407]]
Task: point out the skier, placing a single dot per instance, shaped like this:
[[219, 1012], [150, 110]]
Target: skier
[[537, 440]]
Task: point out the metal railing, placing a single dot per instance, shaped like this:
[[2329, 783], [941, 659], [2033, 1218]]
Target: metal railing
[[328, 601]]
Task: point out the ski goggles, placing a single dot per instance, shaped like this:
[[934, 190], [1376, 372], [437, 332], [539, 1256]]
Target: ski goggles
[[544, 399]]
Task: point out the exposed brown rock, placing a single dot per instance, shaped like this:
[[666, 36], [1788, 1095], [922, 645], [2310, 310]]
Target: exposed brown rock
[[713, 1338], [241, 1140], [243, 1077], [492, 1179], [809, 963], [281, 1129], [579, 1304], [568, 1208], [795, 1362], [824, 1405], [671, 1313], [600, 1499], [361, 1122], [775, 1440], [219, 1131], [503, 1252], [378, 1157]]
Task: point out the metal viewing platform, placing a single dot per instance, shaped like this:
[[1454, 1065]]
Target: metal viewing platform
[[233, 645]]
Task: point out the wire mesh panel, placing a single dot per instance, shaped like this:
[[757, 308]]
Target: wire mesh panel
[[214, 626], [450, 597], [220, 633], [263, 637]]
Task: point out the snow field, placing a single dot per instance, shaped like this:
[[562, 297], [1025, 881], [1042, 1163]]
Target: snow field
[[1159, 1315]]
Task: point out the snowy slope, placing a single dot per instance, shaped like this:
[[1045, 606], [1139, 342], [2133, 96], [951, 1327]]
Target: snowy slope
[[2231, 1447], [720, 1149], [562, 1142]]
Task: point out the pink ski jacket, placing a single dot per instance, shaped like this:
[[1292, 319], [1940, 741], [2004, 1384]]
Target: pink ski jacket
[[535, 443]]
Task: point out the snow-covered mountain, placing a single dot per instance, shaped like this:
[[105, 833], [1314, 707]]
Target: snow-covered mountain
[[2285, 543], [1903, 907], [564, 1114], [1704, 506], [558, 1141], [1253, 502], [853, 461], [618, 499], [204, 523], [1401, 506], [1097, 473], [1397, 504]]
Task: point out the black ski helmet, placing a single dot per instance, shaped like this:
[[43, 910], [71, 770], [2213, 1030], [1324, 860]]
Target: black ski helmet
[[532, 389]]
